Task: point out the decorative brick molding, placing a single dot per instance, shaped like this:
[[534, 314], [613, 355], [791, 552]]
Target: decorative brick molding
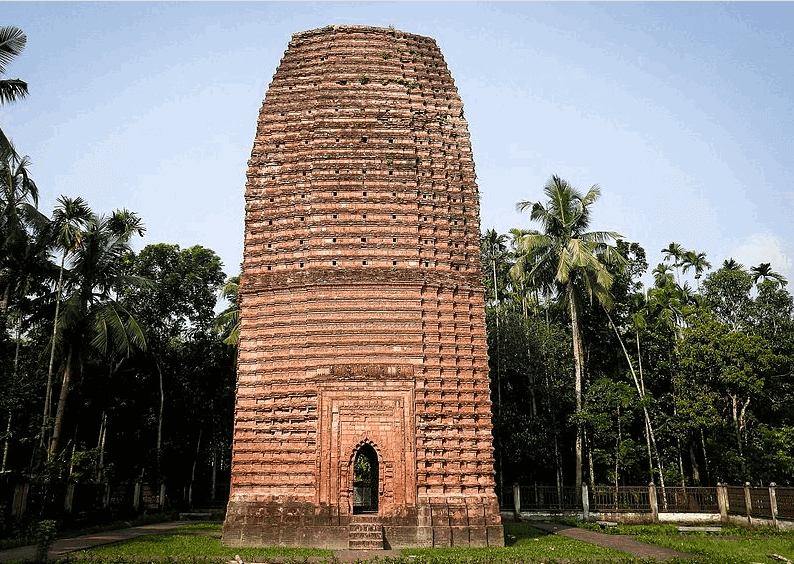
[[362, 309]]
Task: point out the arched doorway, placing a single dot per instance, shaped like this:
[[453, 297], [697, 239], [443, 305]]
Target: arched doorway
[[365, 480]]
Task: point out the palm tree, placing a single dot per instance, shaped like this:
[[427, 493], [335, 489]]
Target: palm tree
[[764, 270], [674, 252], [228, 321], [12, 43], [696, 262], [494, 254], [91, 316], [19, 197], [577, 260], [732, 265], [68, 220]]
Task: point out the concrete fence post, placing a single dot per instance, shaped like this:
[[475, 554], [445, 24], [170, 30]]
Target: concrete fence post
[[654, 502], [773, 503], [585, 502], [161, 498], [517, 501], [722, 501], [136, 496], [748, 503]]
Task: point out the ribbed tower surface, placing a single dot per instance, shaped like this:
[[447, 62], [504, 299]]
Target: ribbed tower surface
[[362, 308]]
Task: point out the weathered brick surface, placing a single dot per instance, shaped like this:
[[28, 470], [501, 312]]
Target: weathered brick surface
[[362, 309]]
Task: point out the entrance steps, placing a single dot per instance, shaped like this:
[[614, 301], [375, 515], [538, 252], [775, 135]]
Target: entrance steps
[[365, 532]]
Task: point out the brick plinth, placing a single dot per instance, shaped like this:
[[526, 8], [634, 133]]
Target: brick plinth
[[362, 309]]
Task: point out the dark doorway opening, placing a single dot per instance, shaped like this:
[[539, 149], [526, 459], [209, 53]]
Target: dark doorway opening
[[365, 480]]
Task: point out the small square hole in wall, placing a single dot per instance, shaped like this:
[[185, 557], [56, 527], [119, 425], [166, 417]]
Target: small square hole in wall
[[336, 172], [394, 263], [363, 139], [269, 245], [391, 140], [394, 216], [271, 199], [334, 193], [363, 239], [394, 193], [270, 222], [363, 193], [301, 218], [303, 196], [301, 265], [269, 267], [364, 263], [364, 216], [427, 263], [394, 239], [333, 263], [391, 173], [335, 216], [300, 242]]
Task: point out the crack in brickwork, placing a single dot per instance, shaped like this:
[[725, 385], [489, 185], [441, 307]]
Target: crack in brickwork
[[362, 308]]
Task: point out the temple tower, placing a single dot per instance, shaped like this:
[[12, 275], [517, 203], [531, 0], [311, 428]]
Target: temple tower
[[363, 413]]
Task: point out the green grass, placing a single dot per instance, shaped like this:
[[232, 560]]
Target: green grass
[[731, 545], [725, 547], [199, 540], [526, 544]]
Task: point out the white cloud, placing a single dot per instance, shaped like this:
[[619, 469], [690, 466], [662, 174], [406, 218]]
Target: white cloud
[[763, 247]]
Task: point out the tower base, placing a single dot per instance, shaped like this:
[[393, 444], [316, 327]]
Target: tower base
[[293, 523]]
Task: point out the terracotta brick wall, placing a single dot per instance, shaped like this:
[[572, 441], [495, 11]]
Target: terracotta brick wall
[[362, 308]]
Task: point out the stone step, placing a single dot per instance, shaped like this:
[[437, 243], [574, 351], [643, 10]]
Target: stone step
[[365, 545], [365, 527], [365, 536]]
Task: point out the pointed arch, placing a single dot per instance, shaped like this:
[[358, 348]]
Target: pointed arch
[[366, 476]]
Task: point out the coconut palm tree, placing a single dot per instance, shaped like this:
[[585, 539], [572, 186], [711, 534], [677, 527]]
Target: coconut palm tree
[[577, 259], [12, 43], [228, 321], [18, 215], [91, 316], [70, 217], [764, 270]]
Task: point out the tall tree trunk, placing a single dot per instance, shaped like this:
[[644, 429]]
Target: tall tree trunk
[[705, 457], [193, 472], [214, 469], [48, 393], [589, 443], [617, 453], [103, 430], [577, 355], [7, 442], [160, 424], [56, 431]]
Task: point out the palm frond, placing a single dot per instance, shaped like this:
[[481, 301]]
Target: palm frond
[[12, 89], [12, 43]]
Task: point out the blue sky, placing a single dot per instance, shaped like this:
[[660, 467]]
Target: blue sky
[[681, 112]]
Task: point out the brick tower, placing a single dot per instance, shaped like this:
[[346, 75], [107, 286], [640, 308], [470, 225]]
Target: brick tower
[[363, 414]]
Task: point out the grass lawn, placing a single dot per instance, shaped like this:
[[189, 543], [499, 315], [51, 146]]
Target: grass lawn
[[731, 545], [197, 540], [201, 540], [530, 545], [525, 545]]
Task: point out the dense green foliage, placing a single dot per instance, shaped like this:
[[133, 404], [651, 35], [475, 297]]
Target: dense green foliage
[[678, 385], [111, 369]]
